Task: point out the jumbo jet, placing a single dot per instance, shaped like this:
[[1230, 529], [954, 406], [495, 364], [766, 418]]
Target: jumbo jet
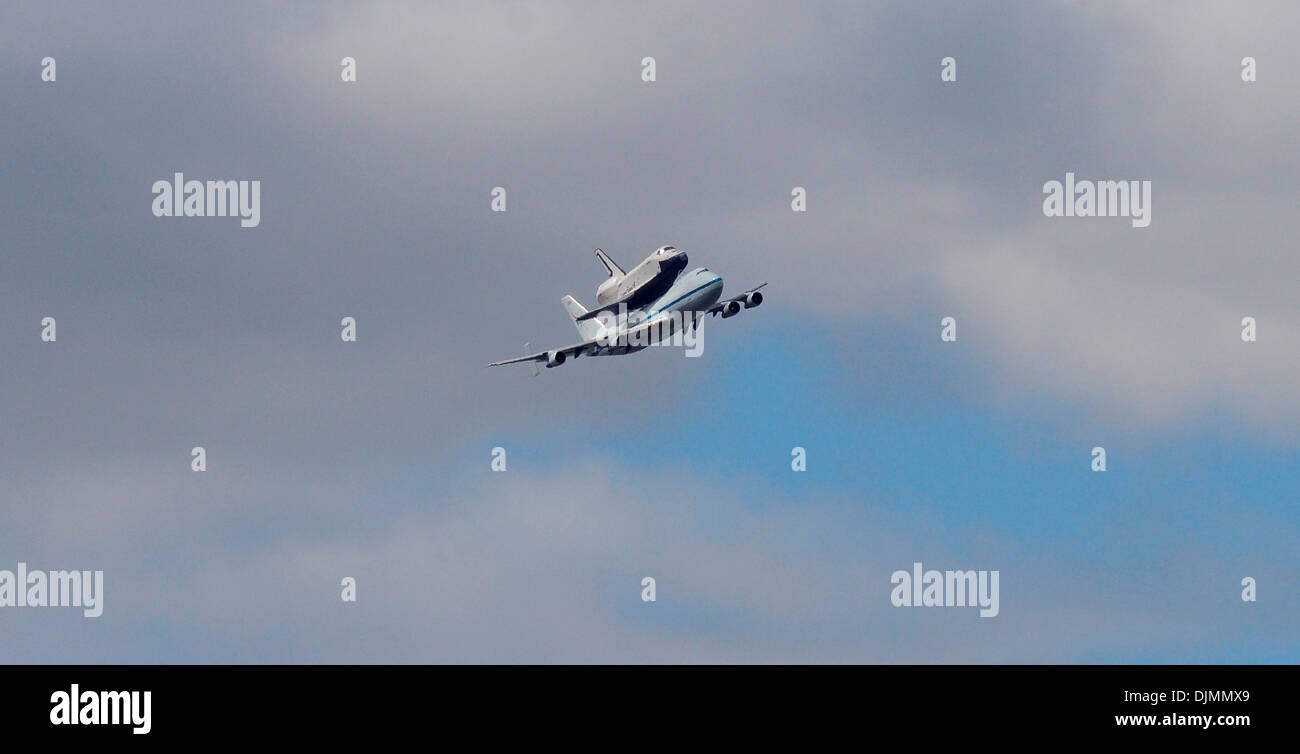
[[642, 307]]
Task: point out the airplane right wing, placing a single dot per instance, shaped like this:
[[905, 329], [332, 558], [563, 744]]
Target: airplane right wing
[[553, 357], [557, 356]]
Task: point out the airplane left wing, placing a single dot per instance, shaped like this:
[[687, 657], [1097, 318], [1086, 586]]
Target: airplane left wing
[[728, 307]]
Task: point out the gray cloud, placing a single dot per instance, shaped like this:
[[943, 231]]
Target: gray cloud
[[521, 569]]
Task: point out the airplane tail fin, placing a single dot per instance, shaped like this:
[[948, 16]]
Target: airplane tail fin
[[614, 270], [587, 328]]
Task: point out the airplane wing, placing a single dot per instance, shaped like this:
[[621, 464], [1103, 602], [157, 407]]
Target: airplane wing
[[584, 348], [569, 352], [718, 307]]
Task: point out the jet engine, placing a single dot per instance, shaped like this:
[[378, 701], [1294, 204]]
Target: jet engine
[[730, 309], [554, 358], [753, 300]]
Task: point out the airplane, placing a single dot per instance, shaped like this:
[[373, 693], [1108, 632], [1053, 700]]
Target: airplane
[[642, 306]]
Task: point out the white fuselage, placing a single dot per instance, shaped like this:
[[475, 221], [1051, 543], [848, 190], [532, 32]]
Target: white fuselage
[[685, 301]]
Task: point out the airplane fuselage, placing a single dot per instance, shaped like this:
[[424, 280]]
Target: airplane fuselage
[[687, 298]]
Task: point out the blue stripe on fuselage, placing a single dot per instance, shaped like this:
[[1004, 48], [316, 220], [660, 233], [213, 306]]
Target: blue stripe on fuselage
[[669, 305]]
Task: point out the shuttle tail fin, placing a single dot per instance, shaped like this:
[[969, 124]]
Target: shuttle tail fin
[[587, 328], [614, 270]]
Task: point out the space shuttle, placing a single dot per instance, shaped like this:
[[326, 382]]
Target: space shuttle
[[645, 283]]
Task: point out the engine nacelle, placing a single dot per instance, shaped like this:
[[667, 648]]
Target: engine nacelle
[[554, 359], [730, 309], [753, 300]]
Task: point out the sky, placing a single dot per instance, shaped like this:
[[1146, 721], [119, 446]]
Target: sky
[[372, 460]]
